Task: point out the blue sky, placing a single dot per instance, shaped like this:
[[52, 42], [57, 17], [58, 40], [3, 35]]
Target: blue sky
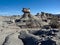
[[13, 7]]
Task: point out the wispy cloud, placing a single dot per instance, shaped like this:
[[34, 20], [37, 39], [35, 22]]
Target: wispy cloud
[[57, 13]]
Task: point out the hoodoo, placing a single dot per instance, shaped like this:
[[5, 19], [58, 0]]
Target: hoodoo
[[27, 20]]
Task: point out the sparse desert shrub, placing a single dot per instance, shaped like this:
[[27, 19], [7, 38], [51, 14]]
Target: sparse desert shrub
[[54, 23]]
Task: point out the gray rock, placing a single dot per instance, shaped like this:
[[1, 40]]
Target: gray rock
[[12, 40]]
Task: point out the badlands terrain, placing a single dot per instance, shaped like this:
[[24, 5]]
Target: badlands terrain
[[27, 29]]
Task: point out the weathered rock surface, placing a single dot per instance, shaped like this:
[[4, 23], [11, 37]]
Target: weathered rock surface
[[30, 29], [12, 39], [40, 37]]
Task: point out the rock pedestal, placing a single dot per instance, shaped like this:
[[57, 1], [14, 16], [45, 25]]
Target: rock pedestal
[[27, 20]]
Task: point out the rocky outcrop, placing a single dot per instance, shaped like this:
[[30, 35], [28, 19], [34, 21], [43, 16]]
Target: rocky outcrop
[[29, 29], [27, 20], [40, 37], [12, 39]]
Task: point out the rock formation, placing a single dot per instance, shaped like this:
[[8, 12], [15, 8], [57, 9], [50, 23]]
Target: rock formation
[[27, 20], [27, 29], [40, 37]]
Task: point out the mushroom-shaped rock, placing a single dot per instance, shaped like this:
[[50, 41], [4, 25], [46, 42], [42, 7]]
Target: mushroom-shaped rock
[[26, 10]]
